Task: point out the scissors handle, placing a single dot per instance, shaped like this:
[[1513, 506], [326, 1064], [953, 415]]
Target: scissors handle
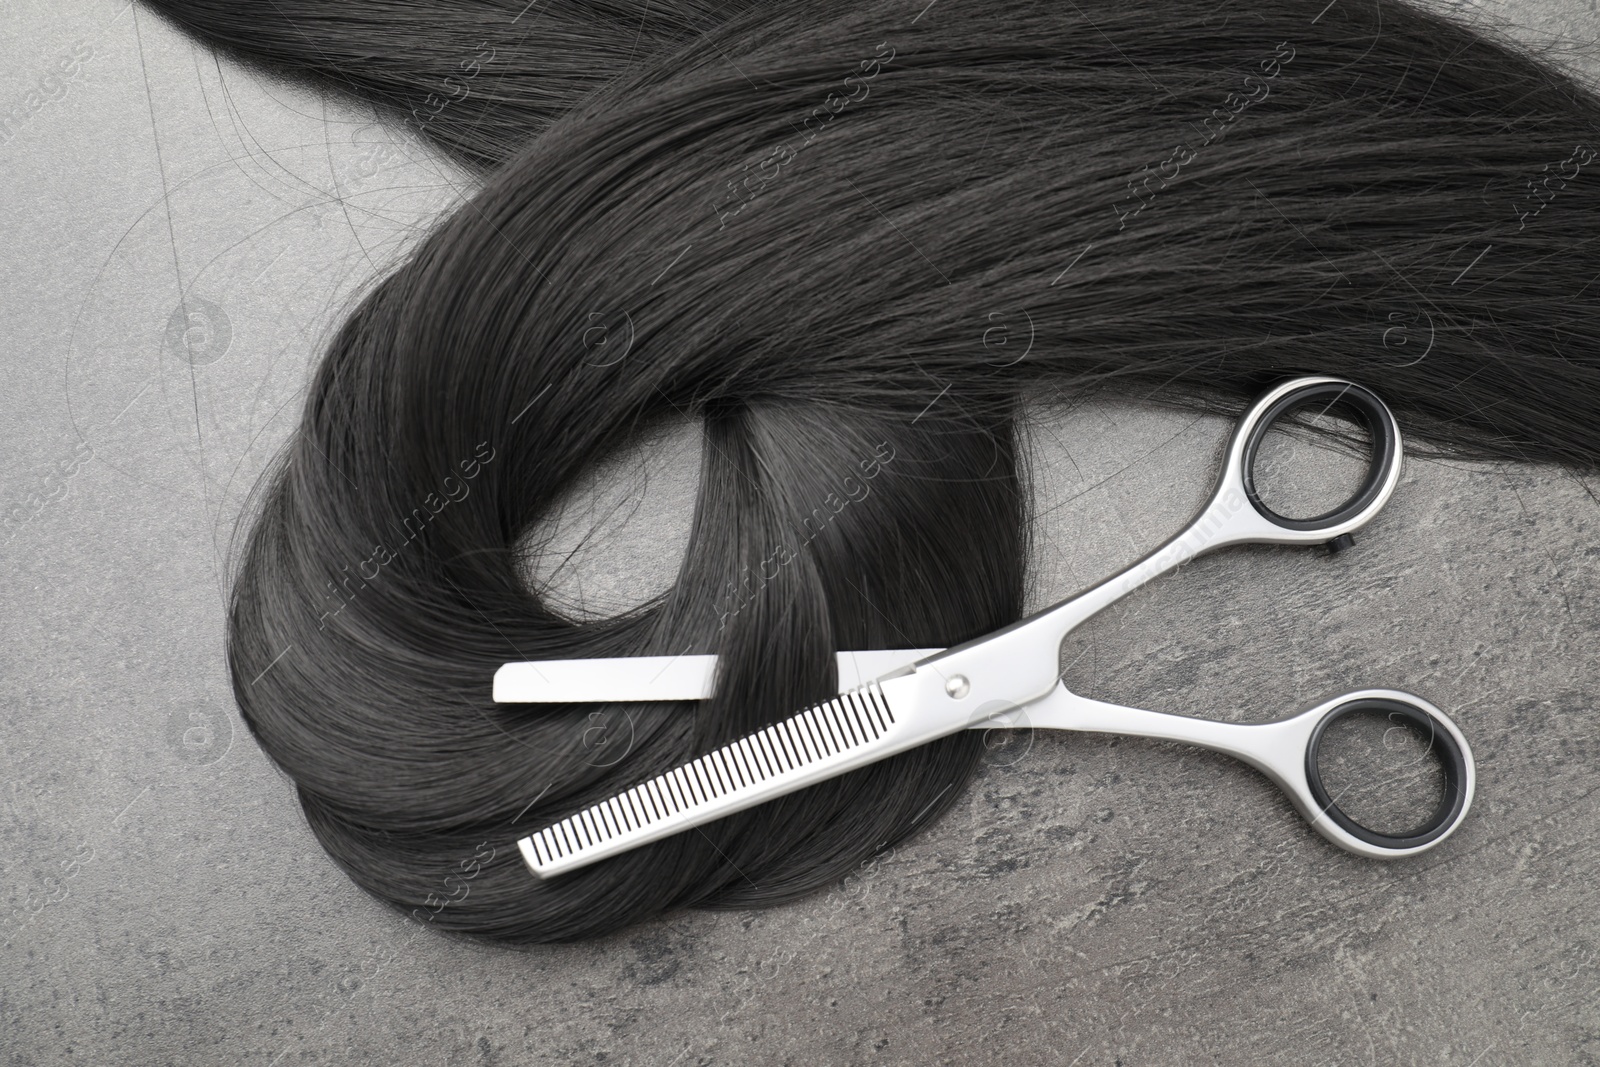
[[1383, 470], [1286, 751]]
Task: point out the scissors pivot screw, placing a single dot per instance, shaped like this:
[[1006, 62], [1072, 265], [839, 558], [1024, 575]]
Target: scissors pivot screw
[[957, 686]]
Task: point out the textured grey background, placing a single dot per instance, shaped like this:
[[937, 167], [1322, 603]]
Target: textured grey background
[[1088, 901]]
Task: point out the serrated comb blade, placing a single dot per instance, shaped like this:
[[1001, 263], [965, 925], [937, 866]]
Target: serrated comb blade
[[852, 730]]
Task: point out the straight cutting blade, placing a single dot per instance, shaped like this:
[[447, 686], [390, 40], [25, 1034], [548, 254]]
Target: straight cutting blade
[[577, 681]]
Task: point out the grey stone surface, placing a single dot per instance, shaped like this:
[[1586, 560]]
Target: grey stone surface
[[1090, 901]]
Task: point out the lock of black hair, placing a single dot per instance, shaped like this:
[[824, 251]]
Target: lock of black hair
[[475, 78], [801, 229]]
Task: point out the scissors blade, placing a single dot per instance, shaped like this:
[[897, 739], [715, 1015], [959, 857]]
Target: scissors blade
[[646, 678], [828, 739]]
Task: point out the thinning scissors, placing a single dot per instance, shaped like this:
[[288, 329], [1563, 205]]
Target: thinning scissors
[[896, 700]]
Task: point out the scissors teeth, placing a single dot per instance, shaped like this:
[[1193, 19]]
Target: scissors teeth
[[891, 701]]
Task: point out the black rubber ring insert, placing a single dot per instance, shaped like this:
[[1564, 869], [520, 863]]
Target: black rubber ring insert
[[1440, 740], [1385, 446]]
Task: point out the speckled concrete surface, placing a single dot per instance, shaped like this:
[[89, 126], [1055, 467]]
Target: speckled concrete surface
[[1090, 901]]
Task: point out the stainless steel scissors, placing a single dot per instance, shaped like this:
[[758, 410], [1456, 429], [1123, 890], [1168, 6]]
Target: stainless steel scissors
[[1009, 679]]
